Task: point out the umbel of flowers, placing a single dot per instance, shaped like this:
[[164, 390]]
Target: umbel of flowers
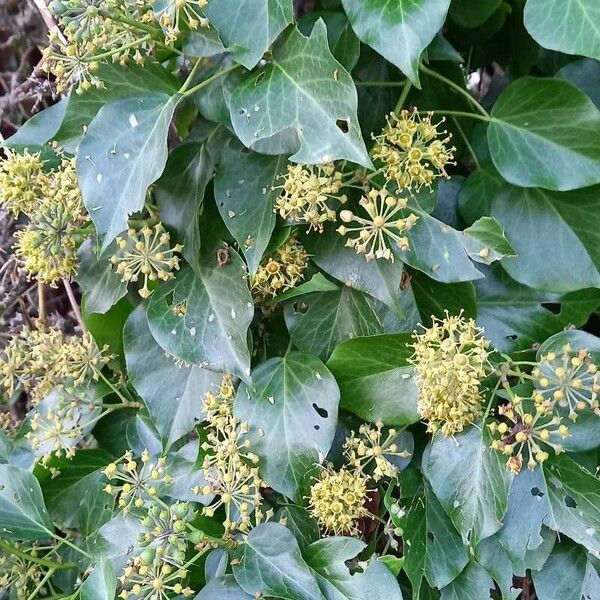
[[453, 360]]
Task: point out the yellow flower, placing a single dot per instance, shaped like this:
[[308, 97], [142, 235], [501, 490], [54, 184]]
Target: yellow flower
[[20, 575], [527, 432], [306, 193], [175, 15], [383, 226], [450, 359], [370, 446], [280, 272], [569, 378], [411, 152], [22, 180], [146, 253], [337, 500]]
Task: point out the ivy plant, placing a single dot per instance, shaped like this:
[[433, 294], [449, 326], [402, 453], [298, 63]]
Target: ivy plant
[[327, 277]]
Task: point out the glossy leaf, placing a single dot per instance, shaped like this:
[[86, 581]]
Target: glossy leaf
[[319, 322], [172, 393], [473, 583], [470, 480], [101, 584], [23, 514], [291, 408], [376, 382], [218, 310], [569, 26], [245, 197], [553, 128], [123, 152], [249, 27], [399, 31], [304, 100]]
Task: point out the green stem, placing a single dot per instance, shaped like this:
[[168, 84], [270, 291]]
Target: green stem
[[456, 88], [133, 23], [467, 143], [43, 562], [41, 584], [404, 95], [208, 81], [457, 113], [114, 389], [380, 83], [190, 77], [71, 545], [110, 53]]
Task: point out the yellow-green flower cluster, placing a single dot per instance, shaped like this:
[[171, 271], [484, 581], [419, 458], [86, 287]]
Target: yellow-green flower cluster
[[307, 192], [135, 482], [382, 225], [96, 31], [39, 359], [145, 578], [177, 15], [280, 272], [370, 451], [451, 360], [337, 499], [528, 430], [22, 181], [147, 254], [20, 575], [570, 379], [411, 150], [47, 245], [230, 468], [59, 423]]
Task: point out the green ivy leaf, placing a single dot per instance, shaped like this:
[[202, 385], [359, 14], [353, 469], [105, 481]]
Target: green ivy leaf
[[317, 283], [493, 558], [270, 563], [473, 583], [527, 509], [101, 286], [328, 558], [23, 514], [470, 480], [76, 498], [434, 298], [180, 194], [249, 27], [553, 128], [380, 278], [563, 574], [319, 322], [585, 75], [123, 152], [472, 14], [223, 588], [537, 223], [574, 499], [303, 101], [300, 522], [485, 241], [569, 26], [40, 128], [120, 82], [376, 382], [400, 30], [291, 408], [477, 193], [245, 197], [172, 393], [101, 584], [213, 332]]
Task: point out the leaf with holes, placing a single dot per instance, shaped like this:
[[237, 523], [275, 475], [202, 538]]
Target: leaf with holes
[[302, 102], [291, 408]]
